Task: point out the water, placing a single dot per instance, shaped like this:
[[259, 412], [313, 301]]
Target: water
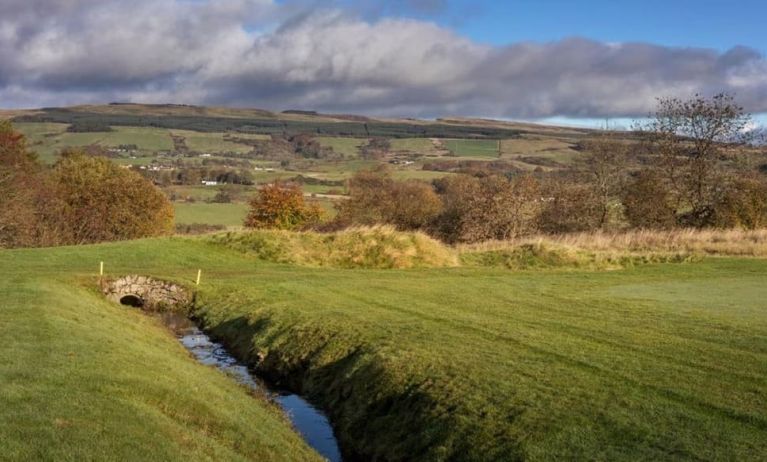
[[307, 420]]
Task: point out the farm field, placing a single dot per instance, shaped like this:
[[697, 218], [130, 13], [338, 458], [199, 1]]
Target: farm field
[[231, 214], [348, 147], [473, 148], [663, 361], [558, 150], [424, 146], [209, 142]]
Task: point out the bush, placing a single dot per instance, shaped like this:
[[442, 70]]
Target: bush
[[281, 206], [646, 202], [375, 198], [570, 207], [743, 204], [101, 201], [493, 207]]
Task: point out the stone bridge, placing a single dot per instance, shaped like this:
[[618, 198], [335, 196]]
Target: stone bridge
[[146, 293]]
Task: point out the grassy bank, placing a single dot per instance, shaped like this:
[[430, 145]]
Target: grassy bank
[[84, 379], [657, 361]]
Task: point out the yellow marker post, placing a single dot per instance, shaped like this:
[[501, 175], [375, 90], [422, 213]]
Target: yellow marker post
[[199, 273], [101, 268]]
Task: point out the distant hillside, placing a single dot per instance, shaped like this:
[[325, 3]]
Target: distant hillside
[[258, 121]]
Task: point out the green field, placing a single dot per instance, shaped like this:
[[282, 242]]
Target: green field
[[424, 146], [348, 147], [657, 362], [210, 142], [487, 149], [232, 214]]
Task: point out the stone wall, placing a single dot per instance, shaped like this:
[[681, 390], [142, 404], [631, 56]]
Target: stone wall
[[153, 293]]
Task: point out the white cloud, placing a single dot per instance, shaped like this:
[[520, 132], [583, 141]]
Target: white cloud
[[261, 53]]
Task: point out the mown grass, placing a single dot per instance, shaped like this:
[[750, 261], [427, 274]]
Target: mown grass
[[85, 379], [650, 362]]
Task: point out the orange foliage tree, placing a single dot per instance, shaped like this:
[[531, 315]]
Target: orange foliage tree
[[101, 201], [281, 206]]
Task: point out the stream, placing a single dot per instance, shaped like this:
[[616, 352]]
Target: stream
[[310, 423]]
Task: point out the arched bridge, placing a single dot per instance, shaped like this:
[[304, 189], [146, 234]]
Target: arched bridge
[[144, 292]]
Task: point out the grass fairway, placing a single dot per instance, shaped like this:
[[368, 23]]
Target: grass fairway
[[85, 379], [657, 362], [232, 214]]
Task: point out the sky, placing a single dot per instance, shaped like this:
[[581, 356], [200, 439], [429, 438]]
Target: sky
[[550, 60]]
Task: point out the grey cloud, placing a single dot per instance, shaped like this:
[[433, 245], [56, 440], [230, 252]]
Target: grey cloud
[[261, 53]]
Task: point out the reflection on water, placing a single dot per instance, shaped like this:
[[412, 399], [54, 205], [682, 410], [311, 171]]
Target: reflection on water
[[310, 423]]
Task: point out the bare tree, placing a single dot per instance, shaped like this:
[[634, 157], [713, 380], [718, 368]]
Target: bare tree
[[690, 137], [605, 169]]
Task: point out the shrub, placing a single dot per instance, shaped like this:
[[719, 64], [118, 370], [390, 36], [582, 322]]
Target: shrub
[[100, 201], [375, 198], [647, 202], [281, 206], [570, 207], [493, 207], [743, 204]]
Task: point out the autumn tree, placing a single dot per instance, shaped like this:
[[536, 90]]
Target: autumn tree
[[570, 206], [101, 201], [492, 207], [375, 198], [647, 201], [376, 148], [689, 139], [605, 170], [742, 203], [281, 206], [20, 177]]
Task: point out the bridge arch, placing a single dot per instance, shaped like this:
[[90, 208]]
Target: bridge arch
[[145, 293]]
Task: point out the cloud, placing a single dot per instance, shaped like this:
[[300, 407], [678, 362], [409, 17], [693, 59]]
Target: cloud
[[299, 55]]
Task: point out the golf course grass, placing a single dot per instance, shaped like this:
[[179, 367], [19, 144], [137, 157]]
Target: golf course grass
[[654, 362]]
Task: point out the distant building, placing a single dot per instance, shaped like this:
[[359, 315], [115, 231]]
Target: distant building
[[209, 183]]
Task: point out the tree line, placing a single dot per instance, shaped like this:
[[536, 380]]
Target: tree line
[[693, 171]]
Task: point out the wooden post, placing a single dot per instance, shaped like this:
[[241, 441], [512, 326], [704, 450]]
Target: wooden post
[[199, 273]]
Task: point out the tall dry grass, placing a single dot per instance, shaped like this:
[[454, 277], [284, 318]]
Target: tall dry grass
[[733, 242], [364, 247]]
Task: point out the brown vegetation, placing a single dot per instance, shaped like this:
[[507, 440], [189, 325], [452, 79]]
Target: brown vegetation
[[719, 242], [81, 200], [281, 206]]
